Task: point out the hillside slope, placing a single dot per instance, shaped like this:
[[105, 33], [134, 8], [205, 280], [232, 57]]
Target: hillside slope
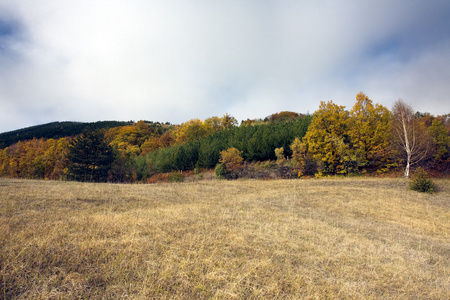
[[54, 130]]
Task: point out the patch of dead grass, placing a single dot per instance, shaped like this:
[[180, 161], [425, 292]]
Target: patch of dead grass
[[313, 239]]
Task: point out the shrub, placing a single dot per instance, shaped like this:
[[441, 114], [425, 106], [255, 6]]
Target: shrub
[[298, 152], [420, 182], [319, 174], [160, 177], [220, 171], [264, 165], [176, 177], [301, 159], [231, 159], [279, 153], [284, 172]]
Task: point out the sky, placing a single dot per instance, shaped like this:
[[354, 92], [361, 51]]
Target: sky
[[175, 60]]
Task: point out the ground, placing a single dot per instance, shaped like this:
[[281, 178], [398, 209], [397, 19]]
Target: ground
[[291, 239]]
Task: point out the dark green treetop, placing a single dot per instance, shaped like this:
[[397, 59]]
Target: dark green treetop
[[90, 157]]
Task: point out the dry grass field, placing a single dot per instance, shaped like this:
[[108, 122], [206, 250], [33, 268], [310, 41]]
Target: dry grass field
[[245, 239]]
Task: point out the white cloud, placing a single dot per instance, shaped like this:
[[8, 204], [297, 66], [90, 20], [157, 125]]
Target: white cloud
[[176, 60]]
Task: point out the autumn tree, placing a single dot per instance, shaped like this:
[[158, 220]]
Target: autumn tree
[[36, 158], [231, 159], [284, 116], [214, 123], [368, 132], [129, 139], [90, 157], [191, 130], [50, 160], [409, 136], [228, 121], [327, 139], [60, 161], [3, 161], [129, 142], [441, 140], [157, 142]]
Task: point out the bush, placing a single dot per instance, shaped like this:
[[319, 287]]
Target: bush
[[279, 153], [231, 159], [220, 171], [160, 177], [176, 177], [421, 183]]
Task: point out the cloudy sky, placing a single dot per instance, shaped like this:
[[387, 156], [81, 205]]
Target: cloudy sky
[[174, 60]]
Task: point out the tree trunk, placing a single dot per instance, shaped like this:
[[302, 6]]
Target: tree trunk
[[407, 148], [408, 164]]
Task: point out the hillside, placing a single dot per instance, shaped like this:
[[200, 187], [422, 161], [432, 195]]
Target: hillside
[[54, 130], [244, 239]]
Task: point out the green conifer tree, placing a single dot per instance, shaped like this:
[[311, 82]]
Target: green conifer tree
[[90, 157]]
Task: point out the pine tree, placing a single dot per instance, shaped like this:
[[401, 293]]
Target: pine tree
[[90, 157]]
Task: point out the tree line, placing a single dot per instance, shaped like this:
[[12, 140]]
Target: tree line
[[369, 138], [257, 143]]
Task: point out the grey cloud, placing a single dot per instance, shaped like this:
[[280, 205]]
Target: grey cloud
[[176, 60]]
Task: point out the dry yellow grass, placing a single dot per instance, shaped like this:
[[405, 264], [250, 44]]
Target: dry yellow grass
[[284, 239]]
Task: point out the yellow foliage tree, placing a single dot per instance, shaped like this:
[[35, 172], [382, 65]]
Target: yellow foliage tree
[[129, 139], [326, 137], [191, 130], [368, 131], [298, 152], [231, 159], [228, 121], [215, 123], [220, 123], [36, 158], [196, 128]]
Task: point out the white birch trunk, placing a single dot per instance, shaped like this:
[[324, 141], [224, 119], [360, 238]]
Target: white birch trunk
[[407, 148], [411, 138]]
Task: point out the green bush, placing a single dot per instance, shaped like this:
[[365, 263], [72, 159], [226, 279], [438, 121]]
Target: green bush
[[220, 171], [175, 177], [420, 182]]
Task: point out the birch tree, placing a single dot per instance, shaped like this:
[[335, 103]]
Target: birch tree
[[409, 137]]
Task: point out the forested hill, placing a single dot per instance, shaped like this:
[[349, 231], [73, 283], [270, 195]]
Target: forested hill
[[54, 130], [333, 141]]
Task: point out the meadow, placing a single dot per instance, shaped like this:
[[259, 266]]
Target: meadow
[[344, 238]]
